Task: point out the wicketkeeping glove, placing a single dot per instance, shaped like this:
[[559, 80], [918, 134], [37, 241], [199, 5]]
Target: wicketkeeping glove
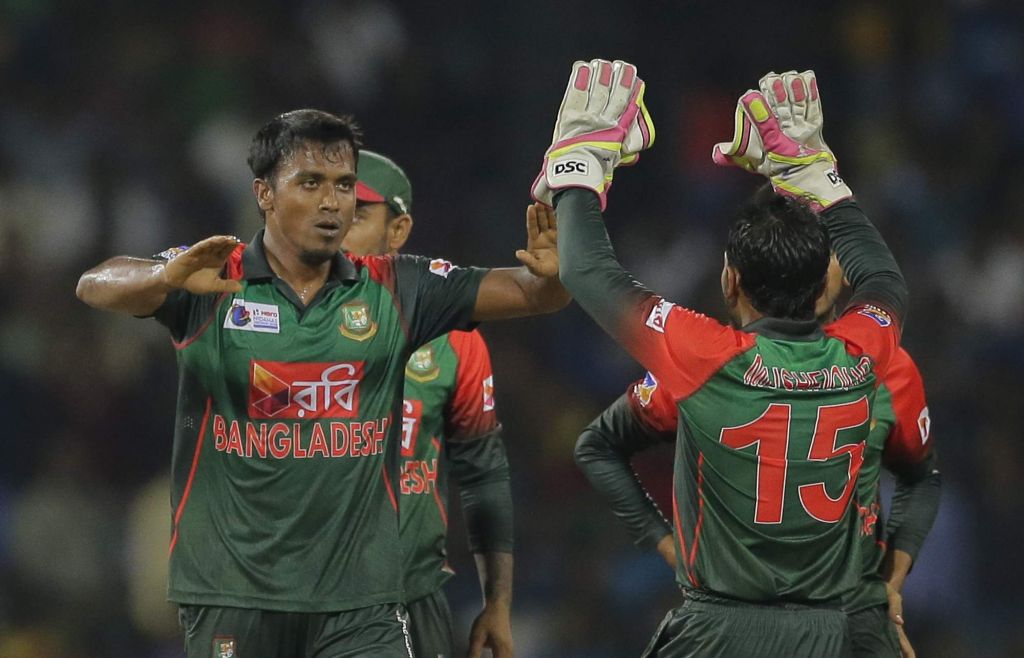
[[601, 124], [778, 135]]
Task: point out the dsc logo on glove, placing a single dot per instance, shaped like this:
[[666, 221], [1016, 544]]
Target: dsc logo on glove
[[571, 167]]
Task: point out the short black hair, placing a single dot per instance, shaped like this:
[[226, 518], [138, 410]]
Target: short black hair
[[279, 137], [781, 250]]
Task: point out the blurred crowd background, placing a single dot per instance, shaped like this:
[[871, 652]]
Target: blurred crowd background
[[124, 127]]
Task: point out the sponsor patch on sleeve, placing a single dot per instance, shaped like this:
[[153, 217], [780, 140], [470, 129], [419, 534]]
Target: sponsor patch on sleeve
[[924, 424], [488, 385], [644, 390], [658, 316], [876, 314], [441, 267]]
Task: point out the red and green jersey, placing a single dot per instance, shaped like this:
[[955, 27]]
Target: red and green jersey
[[899, 440], [772, 427], [449, 396], [286, 445]]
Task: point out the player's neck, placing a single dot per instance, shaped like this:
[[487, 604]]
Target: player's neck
[[303, 278], [744, 312]]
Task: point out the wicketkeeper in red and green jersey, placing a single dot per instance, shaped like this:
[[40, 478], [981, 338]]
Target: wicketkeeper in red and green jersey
[[292, 360], [900, 440], [449, 430], [774, 416]]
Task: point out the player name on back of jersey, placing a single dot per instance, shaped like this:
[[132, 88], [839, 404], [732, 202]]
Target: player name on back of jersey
[[833, 377]]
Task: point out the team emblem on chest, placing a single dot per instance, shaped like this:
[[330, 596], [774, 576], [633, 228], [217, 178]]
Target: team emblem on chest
[[356, 322], [223, 647], [422, 366]]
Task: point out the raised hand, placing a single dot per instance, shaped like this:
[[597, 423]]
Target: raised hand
[[198, 269], [541, 253], [601, 124], [763, 144], [793, 98]]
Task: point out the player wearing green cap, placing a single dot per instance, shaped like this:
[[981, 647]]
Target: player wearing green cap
[[449, 430], [291, 360]]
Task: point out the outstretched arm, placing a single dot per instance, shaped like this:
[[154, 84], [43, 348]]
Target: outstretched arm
[[529, 290], [139, 286]]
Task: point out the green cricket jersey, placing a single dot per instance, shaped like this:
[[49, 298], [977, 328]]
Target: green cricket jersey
[[449, 397], [286, 449], [770, 444], [899, 440], [773, 419]]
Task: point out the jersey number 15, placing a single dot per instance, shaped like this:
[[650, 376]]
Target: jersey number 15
[[770, 433]]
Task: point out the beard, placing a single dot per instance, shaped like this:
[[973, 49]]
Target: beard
[[316, 257]]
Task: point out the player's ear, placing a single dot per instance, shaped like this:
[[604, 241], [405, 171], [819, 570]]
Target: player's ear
[[399, 229], [730, 284], [264, 192]]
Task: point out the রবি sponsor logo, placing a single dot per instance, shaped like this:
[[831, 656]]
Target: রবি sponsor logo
[[412, 414], [304, 390]]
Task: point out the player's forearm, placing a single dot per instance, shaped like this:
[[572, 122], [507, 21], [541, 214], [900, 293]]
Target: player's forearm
[[494, 569], [482, 471], [515, 292], [603, 452], [868, 265], [588, 265], [125, 284], [895, 567], [915, 504]]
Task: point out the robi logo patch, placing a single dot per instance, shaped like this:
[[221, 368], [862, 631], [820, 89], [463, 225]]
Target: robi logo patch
[[304, 390], [571, 167], [412, 414]]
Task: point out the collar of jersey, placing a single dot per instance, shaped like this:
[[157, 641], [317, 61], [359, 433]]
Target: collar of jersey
[[255, 265], [780, 329]]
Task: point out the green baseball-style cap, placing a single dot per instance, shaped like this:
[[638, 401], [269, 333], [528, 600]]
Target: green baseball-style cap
[[382, 181]]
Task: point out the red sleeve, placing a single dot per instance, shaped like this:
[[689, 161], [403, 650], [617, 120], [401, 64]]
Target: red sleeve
[[470, 411], [909, 441], [234, 264], [381, 268], [652, 404], [868, 330], [681, 347]]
